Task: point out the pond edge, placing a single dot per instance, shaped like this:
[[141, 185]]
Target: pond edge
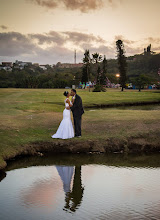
[[110, 145]]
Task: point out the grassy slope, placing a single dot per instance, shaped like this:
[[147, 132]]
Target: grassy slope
[[28, 115]]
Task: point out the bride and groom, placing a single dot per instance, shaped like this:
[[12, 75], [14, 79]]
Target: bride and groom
[[65, 130]]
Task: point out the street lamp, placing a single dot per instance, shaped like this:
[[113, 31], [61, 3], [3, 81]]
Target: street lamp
[[117, 75]]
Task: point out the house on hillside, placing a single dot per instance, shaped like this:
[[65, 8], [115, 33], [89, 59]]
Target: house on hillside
[[44, 67], [6, 66]]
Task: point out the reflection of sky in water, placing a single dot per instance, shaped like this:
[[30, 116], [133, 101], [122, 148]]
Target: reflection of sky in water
[[109, 192]]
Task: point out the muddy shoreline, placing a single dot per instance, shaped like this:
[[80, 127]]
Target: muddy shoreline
[[75, 146]]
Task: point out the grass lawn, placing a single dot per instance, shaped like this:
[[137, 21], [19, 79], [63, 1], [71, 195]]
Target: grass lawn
[[29, 115]]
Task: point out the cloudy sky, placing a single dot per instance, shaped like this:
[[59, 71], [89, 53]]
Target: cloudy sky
[[48, 31]]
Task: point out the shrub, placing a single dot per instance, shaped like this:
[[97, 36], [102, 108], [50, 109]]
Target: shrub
[[99, 88]]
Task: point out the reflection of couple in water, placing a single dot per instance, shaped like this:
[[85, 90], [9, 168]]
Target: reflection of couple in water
[[73, 197]]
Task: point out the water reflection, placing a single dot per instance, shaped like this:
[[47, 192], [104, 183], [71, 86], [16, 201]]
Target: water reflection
[[116, 187], [66, 173], [73, 198], [43, 192]]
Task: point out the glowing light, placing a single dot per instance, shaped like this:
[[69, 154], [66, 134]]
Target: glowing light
[[117, 75]]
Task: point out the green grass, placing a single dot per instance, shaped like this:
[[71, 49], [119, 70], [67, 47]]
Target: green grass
[[28, 115]]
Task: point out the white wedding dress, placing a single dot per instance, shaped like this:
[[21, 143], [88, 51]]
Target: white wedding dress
[[65, 130]]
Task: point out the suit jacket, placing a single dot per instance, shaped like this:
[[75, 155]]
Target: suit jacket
[[77, 108]]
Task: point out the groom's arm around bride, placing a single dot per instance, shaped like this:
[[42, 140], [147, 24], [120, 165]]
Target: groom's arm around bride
[[77, 110]]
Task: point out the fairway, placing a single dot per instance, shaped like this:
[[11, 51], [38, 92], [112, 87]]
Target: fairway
[[30, 115]]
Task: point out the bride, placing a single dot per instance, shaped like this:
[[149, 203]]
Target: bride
[[65, 130]]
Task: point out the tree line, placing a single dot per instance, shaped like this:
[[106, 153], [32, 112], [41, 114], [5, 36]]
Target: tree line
[[138, 69]]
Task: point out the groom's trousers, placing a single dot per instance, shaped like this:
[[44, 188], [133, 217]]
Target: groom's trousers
[[77, 125]]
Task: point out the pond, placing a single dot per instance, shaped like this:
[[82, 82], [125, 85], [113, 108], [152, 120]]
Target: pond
[[81, 186]]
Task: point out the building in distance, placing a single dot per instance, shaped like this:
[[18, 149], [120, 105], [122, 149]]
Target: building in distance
[[68, 65], [6, 66]]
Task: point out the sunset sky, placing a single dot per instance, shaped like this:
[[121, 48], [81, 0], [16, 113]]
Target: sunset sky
[[48, 31]]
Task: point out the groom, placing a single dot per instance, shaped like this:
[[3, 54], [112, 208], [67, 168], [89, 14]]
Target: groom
[[77, 110]]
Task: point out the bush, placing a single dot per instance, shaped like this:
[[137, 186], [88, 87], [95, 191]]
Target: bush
[[158, 86], [99, 88], [60, 83]]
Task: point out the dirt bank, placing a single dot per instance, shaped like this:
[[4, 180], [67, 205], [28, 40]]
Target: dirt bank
[[74, 146]]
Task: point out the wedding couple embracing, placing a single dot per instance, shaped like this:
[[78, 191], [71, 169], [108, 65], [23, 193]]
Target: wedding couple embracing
[[65, 130]]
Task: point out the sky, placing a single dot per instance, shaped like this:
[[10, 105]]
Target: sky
[[49, 31]]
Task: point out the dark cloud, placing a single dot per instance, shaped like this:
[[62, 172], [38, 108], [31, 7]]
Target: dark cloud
[[126, 41], [52, 47], [78, 37], [60, 38], [133, 50], [49, 38], [3, 27], [129, 45], [14, 43], [46, 3], [49, 47], [82, 5], [109, 51]]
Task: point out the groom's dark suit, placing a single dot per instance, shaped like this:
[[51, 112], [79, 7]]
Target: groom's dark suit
[[77, 110]]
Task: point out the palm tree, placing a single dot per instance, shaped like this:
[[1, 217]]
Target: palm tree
[[96, 58]]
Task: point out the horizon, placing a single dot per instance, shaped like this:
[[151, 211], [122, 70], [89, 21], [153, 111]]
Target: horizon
[[25, 61]]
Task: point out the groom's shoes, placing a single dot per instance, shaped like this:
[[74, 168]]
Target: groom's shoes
[[77, 136]]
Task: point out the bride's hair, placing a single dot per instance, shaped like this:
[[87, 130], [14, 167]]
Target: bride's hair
[[65, 93]]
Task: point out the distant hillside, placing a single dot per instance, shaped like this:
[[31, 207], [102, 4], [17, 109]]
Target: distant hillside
[[138, 64], [57, 77]]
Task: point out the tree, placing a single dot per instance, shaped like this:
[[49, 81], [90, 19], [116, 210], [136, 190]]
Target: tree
[[99, 75], [104, 72], [149, 49], [122, 64], [96, 59], [141, 81], [87, 66], [112, 78], [84, 74], [101, 72]]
